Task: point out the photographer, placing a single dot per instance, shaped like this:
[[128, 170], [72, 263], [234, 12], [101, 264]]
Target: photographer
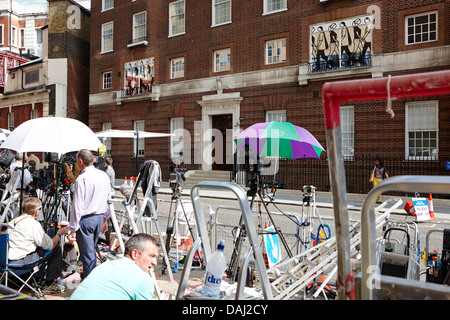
[[28, 243], [15, 170]]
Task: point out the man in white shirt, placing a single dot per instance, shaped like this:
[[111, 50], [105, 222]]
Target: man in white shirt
[[29, 243], [90, 212]]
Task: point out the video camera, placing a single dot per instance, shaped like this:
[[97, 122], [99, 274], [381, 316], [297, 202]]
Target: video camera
[[308, 192], [176, 176]]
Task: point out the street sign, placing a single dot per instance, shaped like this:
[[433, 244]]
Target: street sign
[[421, 208], [272, 244]]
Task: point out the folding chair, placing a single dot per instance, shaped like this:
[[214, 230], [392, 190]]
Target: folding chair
[[18, 270]]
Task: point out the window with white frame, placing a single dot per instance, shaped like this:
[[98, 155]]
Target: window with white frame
[[177, 140], [278, 115], [274, 5], [140, 26], [107, 4], [22, 38], [276, 51], [13, 36], [139, 126], [176, 18], [222, 60], [33, 114], [348, 131], [177, 68], [10, 121], [107, 80], [1, 34], [107, 141], [421, 28], [221, 12], [39, 34], [107, 36], [422, 130]]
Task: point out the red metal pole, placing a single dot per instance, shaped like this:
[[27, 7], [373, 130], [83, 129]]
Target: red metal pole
[[414, 85], [397, 87]]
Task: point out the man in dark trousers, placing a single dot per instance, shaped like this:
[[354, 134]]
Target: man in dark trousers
[[90, 212]]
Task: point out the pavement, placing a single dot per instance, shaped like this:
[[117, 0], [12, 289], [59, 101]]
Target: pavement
[[322, 199], [283, 196]]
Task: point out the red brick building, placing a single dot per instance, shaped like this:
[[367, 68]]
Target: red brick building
[[56, 84], [202, 65]]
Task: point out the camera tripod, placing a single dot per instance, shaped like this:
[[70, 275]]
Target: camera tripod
[[306, 225], [172, 226], [257, 188]]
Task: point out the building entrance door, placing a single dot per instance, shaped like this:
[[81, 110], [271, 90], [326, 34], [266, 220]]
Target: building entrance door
[[223, 148]]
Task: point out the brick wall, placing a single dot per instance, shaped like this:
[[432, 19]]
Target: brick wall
[[375, 131]]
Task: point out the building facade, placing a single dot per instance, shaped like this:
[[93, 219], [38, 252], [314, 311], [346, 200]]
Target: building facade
[[56, 84], [20, 27], [213, 68]]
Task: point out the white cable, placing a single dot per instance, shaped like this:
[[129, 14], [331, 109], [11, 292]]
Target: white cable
[[389, 100]]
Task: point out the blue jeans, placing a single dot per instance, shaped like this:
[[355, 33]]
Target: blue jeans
[[87, 237]]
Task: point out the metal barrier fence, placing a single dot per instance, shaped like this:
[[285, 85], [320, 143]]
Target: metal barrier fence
[[294, 174]]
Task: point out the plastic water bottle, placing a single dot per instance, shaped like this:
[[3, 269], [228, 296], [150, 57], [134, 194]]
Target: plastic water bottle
[[214, 272]]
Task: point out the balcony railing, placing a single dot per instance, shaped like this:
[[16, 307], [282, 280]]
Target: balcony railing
[[335, 64], [138, 91]]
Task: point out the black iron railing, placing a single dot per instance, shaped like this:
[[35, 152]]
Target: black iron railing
[[294, 174], [335, 64]]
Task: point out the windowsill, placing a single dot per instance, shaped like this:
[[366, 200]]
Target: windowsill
[[272, 12], [105, 10], [140, 43], [221, 24], [176, 35], [104, 52]]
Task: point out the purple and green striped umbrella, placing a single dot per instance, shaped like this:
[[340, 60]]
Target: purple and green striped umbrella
[[279, 139]]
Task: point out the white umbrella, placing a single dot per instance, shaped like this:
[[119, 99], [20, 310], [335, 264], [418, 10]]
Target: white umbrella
[[52, 134], [130, 134], [112, 133]]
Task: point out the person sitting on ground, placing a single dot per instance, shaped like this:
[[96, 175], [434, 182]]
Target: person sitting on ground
[[28, 242], [126, 278]]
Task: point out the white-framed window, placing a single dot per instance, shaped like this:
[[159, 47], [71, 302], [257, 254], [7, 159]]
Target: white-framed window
[[422, 130], [276, 51], [222, 60], [140, 126], [107, 37], [140, 26], [177, 140], [107, 5], [39, 35], [13, 36], [107, 141], [2, 28], [347, 115], [32, 76], [221, 12], [22, 38], [33, 113], [271, 6], [421, 28], [10, 121], [277, 115], [177, 16], [107, 80], [177, 68]]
